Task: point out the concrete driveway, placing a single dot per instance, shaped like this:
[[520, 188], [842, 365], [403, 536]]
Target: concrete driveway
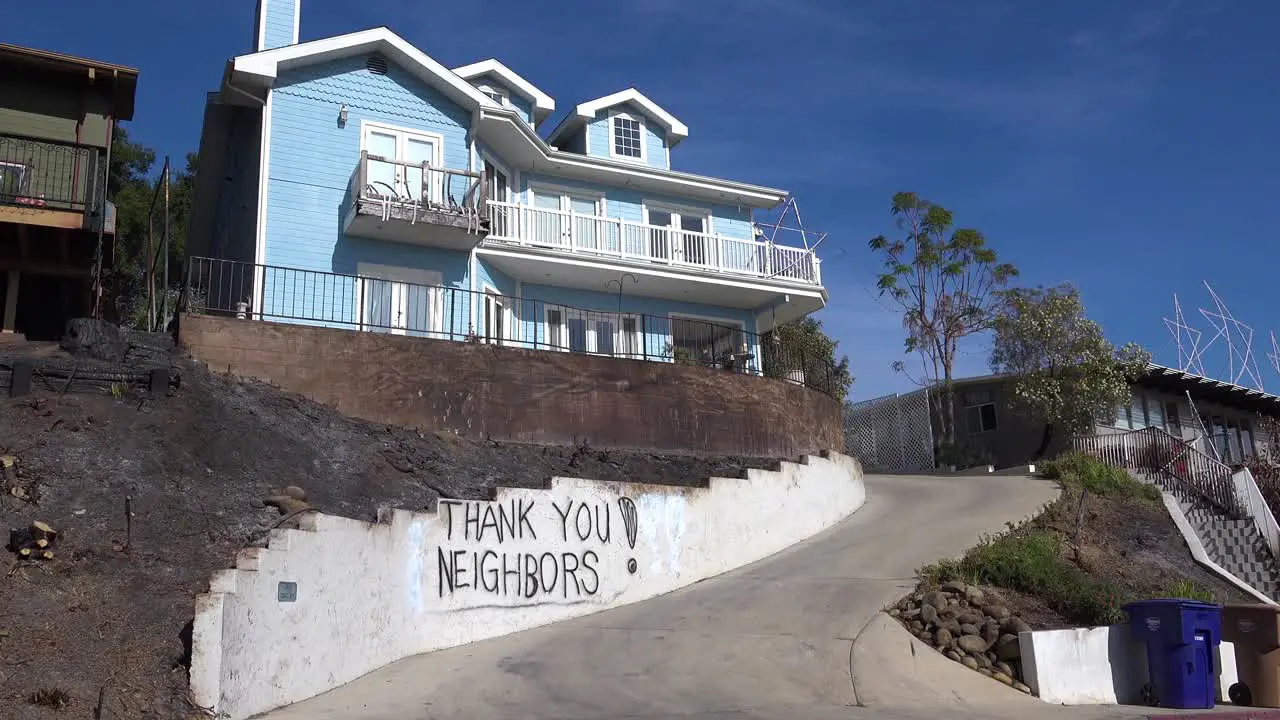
[[797, 635]]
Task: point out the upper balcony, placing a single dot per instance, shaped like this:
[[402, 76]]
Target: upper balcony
[[635, 243], [52, 183], [416, 203]]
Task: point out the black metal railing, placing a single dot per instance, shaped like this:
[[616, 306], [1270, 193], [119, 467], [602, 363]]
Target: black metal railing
[[50, 174], [399, 306]]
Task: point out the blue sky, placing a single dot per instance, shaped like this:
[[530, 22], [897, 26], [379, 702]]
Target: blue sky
[[1116, 144]]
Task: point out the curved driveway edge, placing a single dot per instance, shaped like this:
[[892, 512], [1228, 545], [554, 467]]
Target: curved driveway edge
[[339, 598], [773, 639]]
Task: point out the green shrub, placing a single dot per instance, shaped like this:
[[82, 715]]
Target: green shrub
[[1188, 590], [1029, 560], [1098, 477], [1025, 561], [1094, 603]]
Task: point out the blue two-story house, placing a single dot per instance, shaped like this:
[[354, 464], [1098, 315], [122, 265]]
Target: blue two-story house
[[355, 181]]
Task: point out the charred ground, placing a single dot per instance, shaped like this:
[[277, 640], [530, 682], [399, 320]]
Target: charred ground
[[103, 621]]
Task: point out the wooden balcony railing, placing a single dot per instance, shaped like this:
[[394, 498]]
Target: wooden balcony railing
[[418, 192]]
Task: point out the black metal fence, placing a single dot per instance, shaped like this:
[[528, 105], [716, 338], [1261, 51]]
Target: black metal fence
[[51, 174], [399, 306]]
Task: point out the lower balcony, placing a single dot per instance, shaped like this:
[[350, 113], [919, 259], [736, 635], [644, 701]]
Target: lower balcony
[[370, 304], [52, 183], [416, 203]]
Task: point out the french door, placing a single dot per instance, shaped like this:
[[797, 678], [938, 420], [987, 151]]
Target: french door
[[583, 331], [401, 301], [495, 318], [679, 236], [396, 157], [568, 219]]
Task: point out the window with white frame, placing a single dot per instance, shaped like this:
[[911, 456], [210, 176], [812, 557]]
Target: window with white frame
[[495, 93], [586, 331], [628, 136], [979, 412]]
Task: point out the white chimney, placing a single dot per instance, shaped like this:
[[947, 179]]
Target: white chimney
[[276, 24]]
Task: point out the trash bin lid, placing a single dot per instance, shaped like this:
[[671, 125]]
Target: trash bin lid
[[1165, 602]]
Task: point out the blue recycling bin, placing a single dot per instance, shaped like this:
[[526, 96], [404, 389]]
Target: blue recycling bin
[[1181, 637]]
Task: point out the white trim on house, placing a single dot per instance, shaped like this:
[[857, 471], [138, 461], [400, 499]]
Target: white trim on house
[[265, 66], [641, 128], [545, 157], [561, 258], [264, 168], [587, 111], [262, 26], [260, 70], [297, 20], [543, 104]]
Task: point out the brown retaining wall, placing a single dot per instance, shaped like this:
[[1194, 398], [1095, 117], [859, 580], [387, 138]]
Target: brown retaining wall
[[513, 394]]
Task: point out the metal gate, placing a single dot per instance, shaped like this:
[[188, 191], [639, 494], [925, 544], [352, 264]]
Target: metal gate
[[893, 433]]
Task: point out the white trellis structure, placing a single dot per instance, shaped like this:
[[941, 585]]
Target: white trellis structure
[[1229, 338]]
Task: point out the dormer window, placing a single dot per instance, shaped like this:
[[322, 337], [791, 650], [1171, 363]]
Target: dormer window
[[628, 137], [496, 94]]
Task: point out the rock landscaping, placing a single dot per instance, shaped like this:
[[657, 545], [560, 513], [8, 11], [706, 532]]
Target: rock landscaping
[[1105, 541], [969, 625]]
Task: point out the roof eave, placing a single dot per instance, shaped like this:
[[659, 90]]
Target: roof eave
[[755, 196], [264, 67]]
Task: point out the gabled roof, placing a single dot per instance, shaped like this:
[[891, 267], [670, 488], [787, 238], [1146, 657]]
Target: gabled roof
[[676, 130], [263, 67], [257, 71], [543, 104]]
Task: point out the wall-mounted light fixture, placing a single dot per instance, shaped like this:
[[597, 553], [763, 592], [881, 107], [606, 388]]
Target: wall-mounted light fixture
[[342, 116]]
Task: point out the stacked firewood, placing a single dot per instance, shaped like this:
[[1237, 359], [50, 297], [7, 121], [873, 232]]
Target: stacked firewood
[[34, 542]]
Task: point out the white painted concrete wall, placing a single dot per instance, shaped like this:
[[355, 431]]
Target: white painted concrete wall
[[1097, 666], [368, 594]]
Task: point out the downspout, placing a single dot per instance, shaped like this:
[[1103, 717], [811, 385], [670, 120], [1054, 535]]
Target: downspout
[[102, 215]]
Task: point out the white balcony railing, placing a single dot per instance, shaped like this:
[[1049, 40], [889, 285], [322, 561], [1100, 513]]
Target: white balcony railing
[[638, 242]]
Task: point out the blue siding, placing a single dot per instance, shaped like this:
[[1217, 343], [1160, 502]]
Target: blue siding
[[576, 143], [599, 134], [311, 162], [519, 102], [486, 274], [280, 18]]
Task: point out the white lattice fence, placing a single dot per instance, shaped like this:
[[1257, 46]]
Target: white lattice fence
[[891, 433]]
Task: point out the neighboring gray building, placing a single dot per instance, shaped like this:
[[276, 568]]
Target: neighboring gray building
[[990, 431]]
